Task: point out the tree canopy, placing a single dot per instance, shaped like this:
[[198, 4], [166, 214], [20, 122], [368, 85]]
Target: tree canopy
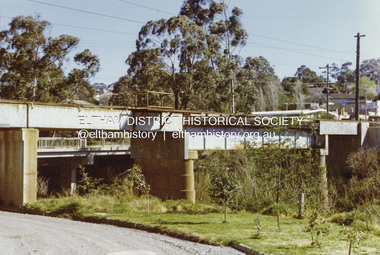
[[193, 55], [371, 69], [31, 64]]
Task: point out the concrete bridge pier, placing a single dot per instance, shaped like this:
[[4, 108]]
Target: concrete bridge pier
[[167, 165], [18, 166]]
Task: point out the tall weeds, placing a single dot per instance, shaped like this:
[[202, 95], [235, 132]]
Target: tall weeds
[[257, 172], [362, 189]]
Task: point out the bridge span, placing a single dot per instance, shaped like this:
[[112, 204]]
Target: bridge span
[[164, 142]]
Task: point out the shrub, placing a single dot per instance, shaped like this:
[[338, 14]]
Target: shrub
[[317, 226], [223, 186], [256, 206], [87, 183], [42, 186], [137, 180]]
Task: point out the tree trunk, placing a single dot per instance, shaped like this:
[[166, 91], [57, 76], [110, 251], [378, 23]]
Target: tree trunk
[[34, 88]]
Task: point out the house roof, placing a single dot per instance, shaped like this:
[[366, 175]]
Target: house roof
[[344, 96]]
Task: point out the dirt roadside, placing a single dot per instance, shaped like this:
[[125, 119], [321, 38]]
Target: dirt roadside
[[34, 234]]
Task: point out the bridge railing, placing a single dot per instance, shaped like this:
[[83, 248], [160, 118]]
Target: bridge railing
[[74, 143], [61, 142]]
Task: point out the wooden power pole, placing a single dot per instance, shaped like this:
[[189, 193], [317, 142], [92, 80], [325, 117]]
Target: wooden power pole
[[357, 75], [327, 67]]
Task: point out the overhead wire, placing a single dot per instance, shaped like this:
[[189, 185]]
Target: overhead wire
[[80, 27], [294, 51], [146, 7], [94, 29], [88, 12], [155, 9], [299, 44]]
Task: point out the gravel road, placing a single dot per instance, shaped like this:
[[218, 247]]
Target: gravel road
[[32, 234]]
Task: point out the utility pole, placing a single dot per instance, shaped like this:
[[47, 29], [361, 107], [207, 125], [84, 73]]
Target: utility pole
[[327, 67], [357, 75]]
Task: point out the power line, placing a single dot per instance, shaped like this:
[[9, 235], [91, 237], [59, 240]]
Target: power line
[[300, 44], [155, 9], [88, 12], [119, 32], [86, 28], [327, 67], [299, 52], [147, 7], [94, 29]]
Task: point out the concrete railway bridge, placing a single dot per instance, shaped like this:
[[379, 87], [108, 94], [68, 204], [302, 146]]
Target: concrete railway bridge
[[164, 142]]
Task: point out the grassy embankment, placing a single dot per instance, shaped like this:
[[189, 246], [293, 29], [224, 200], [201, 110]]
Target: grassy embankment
[[204, 223]]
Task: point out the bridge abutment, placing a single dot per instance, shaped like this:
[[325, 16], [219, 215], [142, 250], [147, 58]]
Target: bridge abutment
[[167, 165], [18, 166]]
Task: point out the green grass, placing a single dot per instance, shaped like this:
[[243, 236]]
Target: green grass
[[204, 223]]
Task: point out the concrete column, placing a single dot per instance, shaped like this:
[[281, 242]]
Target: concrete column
[[18, 167], [324, 184], [188, 176], [2, 167], [73, 181], [167, 165]]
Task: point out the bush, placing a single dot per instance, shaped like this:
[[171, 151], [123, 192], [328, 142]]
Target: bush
[[282, 208], [347, 218], [87, 183], [256, 206], [42, 186], [126, 185]]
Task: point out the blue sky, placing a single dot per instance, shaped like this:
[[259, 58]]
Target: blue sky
[[289, 33]]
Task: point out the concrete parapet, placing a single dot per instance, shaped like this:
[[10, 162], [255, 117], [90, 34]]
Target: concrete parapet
[[18, 166]]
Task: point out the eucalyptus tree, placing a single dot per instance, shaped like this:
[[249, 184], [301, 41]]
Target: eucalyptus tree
[[371, 69], [194, 55], [123, 92], [225, 29], [307, 76], [343, 75], [202, 12], [170, 52], [31, 63], [258, 88], [78, 79]]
